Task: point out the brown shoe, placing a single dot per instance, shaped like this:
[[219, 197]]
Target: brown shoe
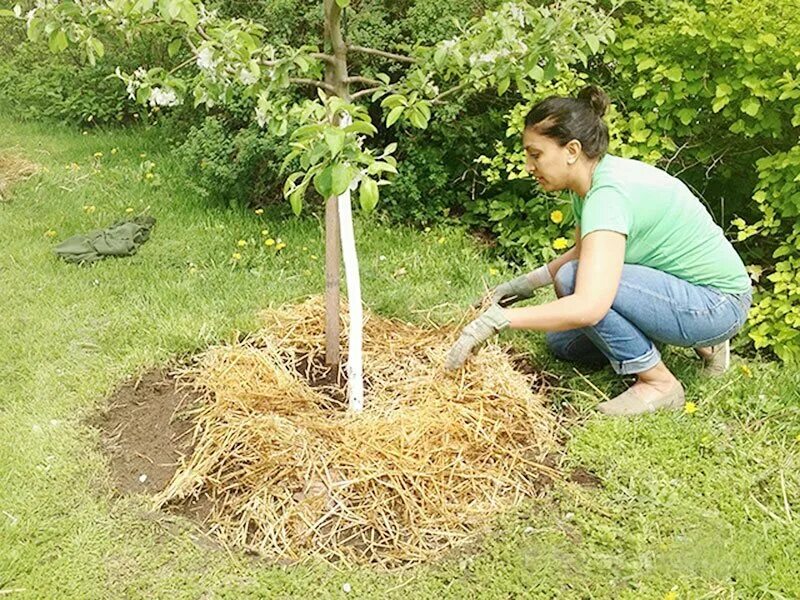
[[719, 361], [630, 403]]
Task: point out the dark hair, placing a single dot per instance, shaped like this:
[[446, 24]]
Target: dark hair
[[581, 118]]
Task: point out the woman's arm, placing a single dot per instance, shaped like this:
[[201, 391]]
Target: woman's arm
[[602, 255]]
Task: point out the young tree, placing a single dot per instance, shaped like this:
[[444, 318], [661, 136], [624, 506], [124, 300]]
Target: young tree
[[519, 44]]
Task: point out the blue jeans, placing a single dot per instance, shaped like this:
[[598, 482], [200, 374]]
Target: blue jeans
[[650, 306]]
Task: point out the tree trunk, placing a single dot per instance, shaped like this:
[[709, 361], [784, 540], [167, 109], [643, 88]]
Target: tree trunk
[[335, 75]]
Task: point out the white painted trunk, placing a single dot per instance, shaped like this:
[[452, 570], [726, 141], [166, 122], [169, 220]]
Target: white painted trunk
[[355, 378]]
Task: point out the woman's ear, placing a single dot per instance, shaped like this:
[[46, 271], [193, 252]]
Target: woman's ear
[[574, 148]]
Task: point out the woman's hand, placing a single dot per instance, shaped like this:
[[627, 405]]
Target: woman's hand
[[490, 322]]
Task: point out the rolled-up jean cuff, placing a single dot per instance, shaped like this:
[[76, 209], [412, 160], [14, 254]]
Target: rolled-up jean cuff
[[646, 361]]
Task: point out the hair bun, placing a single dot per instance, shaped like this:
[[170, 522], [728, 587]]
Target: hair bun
[[596, 98]]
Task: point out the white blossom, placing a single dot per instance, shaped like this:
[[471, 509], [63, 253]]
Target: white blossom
[[447, 44], [247, 77], [205, 59], [163, 97], [518, 14]]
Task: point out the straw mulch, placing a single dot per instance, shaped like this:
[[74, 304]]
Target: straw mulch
[[429, 461], [13, 168]]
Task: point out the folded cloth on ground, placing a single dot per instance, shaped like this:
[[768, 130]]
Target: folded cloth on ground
[[123, 238]]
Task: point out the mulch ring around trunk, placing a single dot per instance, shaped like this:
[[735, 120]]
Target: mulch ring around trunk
[[252, 437]]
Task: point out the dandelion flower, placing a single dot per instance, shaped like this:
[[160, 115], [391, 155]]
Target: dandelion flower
[[560, 243], [441, 240], [314, 257], [280, 245], [269, 242], [690, 408], [236, 256], [259, 211], [50, 233], [148, 175], [129, 210], [556, 216], [241, 243], [493, 271], [142, 155], [114, 151], [98, 155], [746, 371], [264, 232]]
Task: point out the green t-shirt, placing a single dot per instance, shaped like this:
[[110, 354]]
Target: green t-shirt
[[667, 227]]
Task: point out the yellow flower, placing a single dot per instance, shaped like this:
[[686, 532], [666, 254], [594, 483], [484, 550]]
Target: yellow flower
[[129, 210], [493, 271], [556, 216], [690, 408], [259, 211], [305, 248], [50, 233], [796, 439], [236, 256], [269, 242], [746, 371], [441, 240], [89, 209], [193, 270], [85, 133], [560, 243], [142, 155], [113, 151], [671, 595], [280, 246], [98, 155], [314, 257], [264, 232], [307, 272], [148, 175], [241, 243]]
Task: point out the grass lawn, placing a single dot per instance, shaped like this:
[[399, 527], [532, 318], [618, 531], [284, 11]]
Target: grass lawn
[[700, 505]]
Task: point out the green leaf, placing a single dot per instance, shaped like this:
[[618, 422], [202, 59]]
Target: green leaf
[[390, 148], [593, 42], [188, 13], [368, 194], [323, 182], [361, 127], [296, 200], [629, 44], [751, 106], [174, 46], [536, 73], [4, 12], [58, 41], [639, 91], [674, 73], [98, 47], [686, 115], [334, 137], [394, 114], [720, 103], [502, 86], [343, 3], [340, 178]]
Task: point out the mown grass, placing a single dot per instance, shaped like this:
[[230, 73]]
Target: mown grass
[[699, 505]]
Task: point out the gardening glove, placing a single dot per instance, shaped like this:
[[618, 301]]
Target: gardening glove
[[518, 289], [481, 329]]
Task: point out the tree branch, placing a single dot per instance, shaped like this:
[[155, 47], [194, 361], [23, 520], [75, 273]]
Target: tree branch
[[364, 92], [323, 57], [452, 90], [366, 80], [320, 84], [373, 51]]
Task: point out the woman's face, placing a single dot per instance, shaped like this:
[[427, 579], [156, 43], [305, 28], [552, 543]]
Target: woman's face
[[547, 161]]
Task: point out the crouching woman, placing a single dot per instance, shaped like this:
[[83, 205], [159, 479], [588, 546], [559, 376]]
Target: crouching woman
[[648, 265]]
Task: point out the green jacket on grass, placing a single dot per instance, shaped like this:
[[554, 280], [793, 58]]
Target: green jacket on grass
[[123, 238]]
